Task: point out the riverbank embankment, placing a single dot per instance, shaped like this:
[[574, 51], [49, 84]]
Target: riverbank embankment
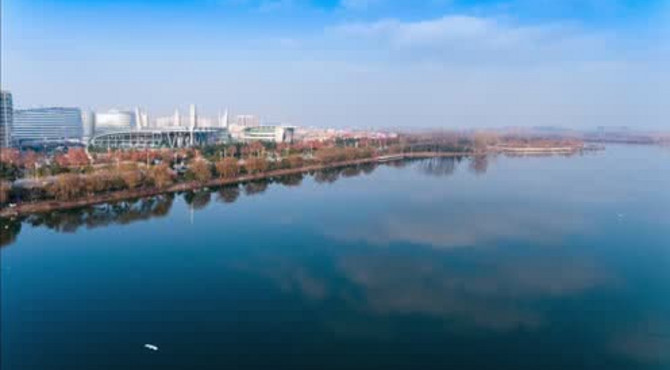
[[25, 209]]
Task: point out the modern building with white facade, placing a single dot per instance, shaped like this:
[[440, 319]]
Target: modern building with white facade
[[88, 121], [114, 121], [277, 134], [47, 125], [6, 118]]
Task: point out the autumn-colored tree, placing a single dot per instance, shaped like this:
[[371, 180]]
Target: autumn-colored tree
[[330, 155], [350, 153], [10, 156], [256, 148], [5, 188], [165, 156], [232, 151], [229, 150], [295, 161], [200, 170], [29, 159], [61, 160], [255, 165], [132, 178], [94, 183], [366, 153], [127, 166], [78, 157], [66, 186], [161, 176], [227, 168], [245, 151], [75, 157]]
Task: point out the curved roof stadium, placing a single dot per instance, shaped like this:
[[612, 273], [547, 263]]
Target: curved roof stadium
[[178, 137]]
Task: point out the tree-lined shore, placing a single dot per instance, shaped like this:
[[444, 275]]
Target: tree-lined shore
[[212, 182], [35, 182]]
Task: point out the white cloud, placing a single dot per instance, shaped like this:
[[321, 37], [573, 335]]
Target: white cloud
[[458, 37]]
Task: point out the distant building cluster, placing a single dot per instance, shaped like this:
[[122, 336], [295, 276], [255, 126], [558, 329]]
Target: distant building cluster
[[63, 126], [329, 134]]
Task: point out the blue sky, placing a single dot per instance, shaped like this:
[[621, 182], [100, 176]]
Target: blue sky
[[382, 63]]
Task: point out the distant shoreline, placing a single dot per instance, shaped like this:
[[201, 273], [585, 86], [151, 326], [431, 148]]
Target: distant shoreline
[[55, 205]]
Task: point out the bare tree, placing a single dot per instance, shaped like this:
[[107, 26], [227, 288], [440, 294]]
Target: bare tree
[[295, 161], [161, 176], [133, 178], [227, 168], [66, 186], [256, 165], [201, 171]]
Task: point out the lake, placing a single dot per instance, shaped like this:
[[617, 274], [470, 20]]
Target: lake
[[487, 263]]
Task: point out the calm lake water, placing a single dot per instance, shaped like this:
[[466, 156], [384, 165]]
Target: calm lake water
[[505, 263]]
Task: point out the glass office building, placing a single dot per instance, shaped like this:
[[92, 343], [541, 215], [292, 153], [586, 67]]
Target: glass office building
[[6, 118], [47, 125]]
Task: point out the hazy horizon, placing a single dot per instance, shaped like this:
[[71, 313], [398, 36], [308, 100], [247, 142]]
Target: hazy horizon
[[363, 63]]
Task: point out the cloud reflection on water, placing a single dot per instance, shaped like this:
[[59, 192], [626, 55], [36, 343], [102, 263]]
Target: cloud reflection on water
[[457, 225]]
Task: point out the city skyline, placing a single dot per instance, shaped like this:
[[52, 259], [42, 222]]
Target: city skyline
[[365, 63]]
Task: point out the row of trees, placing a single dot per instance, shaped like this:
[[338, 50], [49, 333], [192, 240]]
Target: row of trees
[[229, 167], [16, 164], [72, 185], [338, 154], [128, 171]]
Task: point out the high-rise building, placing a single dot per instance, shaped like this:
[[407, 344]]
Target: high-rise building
[[193, 117], [6, 118], [141, 119], [47, 124], [88, 119], [223, 120], [176, 119]]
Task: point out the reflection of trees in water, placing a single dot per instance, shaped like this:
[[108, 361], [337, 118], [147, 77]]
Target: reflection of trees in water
[[198, 199], [9, 230], [401, 163], [352, 171], [123, 212], [291, 180], [129, 211], [330, 175], [229, 194], [440, 166], [368, 168], [327, 176], [479, 164], [543, 154], [256, 187]]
